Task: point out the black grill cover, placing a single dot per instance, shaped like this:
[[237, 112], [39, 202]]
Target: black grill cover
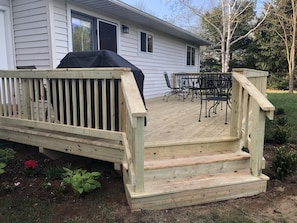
[[103, 58]]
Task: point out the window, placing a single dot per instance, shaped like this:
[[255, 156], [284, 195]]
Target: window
[[83, 32], [190, 56], [146, 42], [107, 36]]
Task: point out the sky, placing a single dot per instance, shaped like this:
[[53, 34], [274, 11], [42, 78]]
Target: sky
[[163, 10], [159, 8]]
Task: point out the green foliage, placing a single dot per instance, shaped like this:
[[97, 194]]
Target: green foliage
[[54, 172], [81, 180], [278, 130], [2, 166], [286, 107], [6, 155], [284, 163], [278, 81]]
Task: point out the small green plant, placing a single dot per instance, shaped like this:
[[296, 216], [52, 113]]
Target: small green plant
[[80, 180], [53, 172], [284, 163], [2, 166], [6, 155]]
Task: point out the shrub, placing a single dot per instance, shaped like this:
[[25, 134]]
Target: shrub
[[284, 162], [6, 155], [281, 134], [80, 180], [278, 130]]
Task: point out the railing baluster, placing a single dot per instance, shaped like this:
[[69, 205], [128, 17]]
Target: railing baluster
[[104, 103], [89, 103], [81, 103], [13, 94], [96, 103], [74, 102], [8, 91], [31, 98], [42, 97], [67, 104], [112, 105], [49, 99], [55, 100]]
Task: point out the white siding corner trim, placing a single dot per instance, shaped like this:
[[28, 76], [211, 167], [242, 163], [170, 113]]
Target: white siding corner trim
[[6, 39]]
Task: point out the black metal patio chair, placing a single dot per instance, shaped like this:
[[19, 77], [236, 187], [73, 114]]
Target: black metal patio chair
[[216, 88], [178, 91]]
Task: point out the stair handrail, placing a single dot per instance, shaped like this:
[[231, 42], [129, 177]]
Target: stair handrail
[[249, 111], [134, 128]]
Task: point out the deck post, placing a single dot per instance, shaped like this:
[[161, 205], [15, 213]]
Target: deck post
[[26, 98], [257, 77], [257, 141], [138, 154], [236, 109]]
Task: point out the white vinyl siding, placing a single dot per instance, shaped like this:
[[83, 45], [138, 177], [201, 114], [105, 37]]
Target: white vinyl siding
[[35, 41], [31, 33], [4, 3], [60, 31], [169, 55]]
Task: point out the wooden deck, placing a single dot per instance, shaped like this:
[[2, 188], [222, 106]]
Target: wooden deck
[[177, 120], [174, 161]]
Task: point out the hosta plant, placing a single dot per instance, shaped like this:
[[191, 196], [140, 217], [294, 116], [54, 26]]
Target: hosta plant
[[2, 166], [80, 180]]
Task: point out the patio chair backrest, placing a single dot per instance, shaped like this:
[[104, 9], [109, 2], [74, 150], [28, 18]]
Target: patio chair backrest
[[167, 80]]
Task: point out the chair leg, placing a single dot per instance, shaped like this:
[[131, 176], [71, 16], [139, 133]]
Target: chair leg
[[199, 120]]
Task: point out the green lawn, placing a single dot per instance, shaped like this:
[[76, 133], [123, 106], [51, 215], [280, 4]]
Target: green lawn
[[288, 102]]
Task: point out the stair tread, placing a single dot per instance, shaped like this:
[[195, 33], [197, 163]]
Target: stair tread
[[170, 186], [194, 159]]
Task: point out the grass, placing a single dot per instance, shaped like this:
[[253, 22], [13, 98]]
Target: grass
[[288, 102]]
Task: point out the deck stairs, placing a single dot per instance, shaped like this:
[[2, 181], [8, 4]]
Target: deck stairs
[[178, 174]]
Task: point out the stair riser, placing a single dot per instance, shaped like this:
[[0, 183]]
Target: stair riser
[[198, 196], [196, 170], [185, 149]]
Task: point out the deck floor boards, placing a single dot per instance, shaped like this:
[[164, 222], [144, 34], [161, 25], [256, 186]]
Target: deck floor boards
[[178, 119]]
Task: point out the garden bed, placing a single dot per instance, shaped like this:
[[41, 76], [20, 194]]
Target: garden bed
[[35, 197]]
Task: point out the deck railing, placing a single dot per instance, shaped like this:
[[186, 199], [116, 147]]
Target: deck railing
[[105, 102], [249, 110], [100, 102]]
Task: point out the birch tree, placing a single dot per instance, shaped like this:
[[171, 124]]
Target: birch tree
[[284, 16], [231, 15]]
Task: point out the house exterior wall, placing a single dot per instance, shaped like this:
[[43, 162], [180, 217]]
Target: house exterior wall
[[4, 3], [42, 36], [31, 33], [169, 53]]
